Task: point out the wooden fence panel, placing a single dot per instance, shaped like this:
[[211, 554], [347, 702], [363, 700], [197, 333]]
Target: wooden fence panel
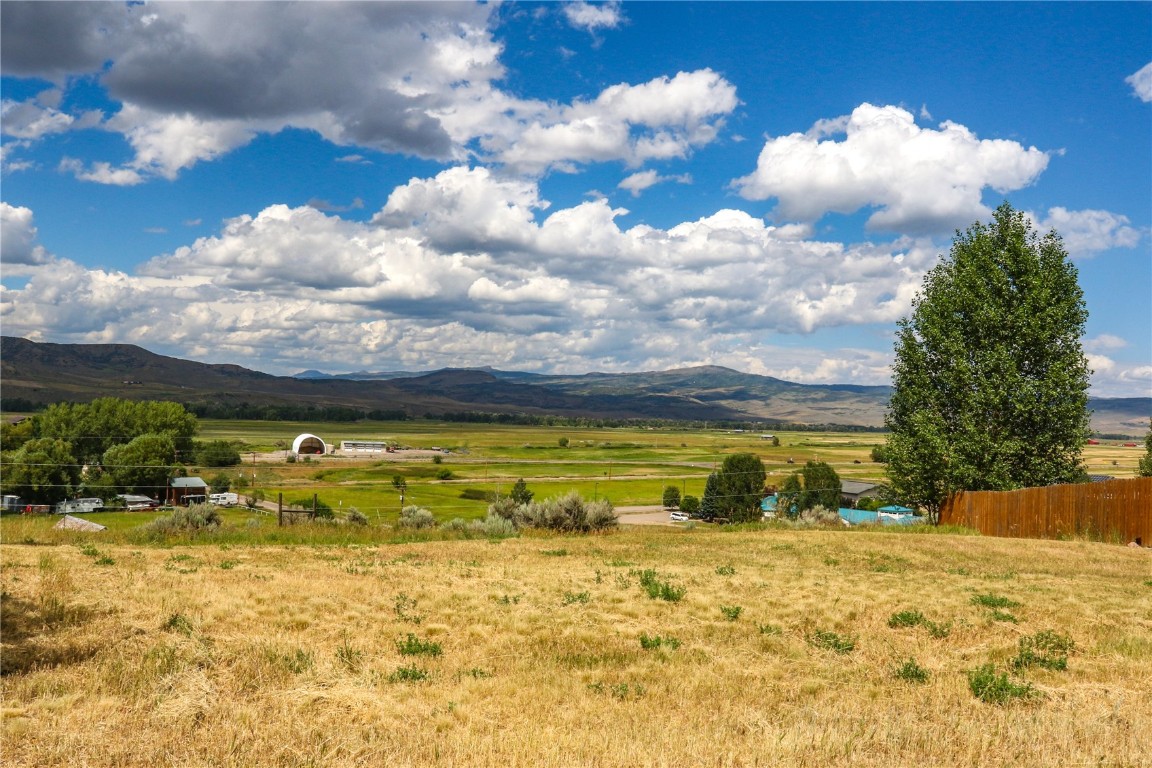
[[1114, 509]]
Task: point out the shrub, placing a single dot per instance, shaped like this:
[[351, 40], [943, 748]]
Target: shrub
[[671, 497], [411, 674], [569, 514], [822, 516], [830, 641], [994, 688], [507, 508], [910, 672], [731, 612], [1045, 649], [416, 517], [660, 590], [906, 619], [655, 642], [191, 519], [356, 517], [991, 600], [414, 646], [690, 505], [444, 474]]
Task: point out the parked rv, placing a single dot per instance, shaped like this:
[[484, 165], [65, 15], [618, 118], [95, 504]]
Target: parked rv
[[224, 499]]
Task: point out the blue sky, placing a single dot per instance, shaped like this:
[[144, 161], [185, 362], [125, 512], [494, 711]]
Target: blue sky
[[560, 187]]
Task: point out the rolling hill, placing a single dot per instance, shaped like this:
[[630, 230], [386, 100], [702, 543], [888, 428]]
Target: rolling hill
[[38, 373]]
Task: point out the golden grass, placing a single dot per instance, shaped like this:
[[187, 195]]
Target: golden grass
[[288, 656]]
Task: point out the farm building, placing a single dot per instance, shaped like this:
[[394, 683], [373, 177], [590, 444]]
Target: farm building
[[308, 445], [853, 491], [187, 490]]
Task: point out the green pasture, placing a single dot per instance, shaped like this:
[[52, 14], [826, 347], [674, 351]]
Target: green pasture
[[630, 466]]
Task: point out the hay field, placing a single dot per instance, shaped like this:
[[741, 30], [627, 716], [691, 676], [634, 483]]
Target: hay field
[[550, 651]]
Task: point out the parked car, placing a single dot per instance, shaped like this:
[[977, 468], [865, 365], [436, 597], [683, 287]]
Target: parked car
[[678, 517]]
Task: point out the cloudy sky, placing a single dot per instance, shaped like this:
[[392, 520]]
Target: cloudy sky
[[559, 187]]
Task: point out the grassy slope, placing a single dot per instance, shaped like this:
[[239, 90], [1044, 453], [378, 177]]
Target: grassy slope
[[223, 654]]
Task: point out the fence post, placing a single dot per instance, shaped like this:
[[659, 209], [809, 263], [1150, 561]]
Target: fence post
[[280, 508]]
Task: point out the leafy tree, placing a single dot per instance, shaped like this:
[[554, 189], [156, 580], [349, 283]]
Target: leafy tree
[[671, 497], [741, 486], [562, 442], [94, 427], [880, 454], [520, 493], [143, 465], [709, 505], [221, 483], [788, 497], [14, 435], [41, 470], [217, 453], [821, 486], [1145, 469], [690, 505], [990, 383]]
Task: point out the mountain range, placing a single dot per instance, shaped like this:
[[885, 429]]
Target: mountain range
[[33, 373]]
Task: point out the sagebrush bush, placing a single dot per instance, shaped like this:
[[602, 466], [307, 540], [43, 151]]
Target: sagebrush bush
[[191, 519], [356, 517], [569, 514], [416, 517]]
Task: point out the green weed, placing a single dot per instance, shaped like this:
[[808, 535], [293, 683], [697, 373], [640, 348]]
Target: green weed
[[906, 619], [731, 612], [725, 570], [831, 641], [656, 641], [414, 646], [660, 590], [1046, 649], [910, 672], [576, 597], [993, 688], [410, 674], [991, 600]]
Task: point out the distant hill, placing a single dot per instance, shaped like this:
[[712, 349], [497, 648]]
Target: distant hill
[[45, 373]]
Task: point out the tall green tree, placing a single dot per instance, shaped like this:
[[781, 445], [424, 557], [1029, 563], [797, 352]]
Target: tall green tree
[[710, 503], [93, 428], [821, 486], [741, 487], [520, 493], [41, 470], [1145, 468], [671, 497], [990, 382], [141, 466], [788, 497]]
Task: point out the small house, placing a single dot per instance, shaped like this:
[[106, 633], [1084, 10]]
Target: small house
[[183, 491], [852, 492]]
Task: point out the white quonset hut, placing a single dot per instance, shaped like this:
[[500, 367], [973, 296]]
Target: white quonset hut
[[308, 445]]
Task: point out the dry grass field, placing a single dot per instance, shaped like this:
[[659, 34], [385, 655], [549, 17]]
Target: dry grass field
[[654, 646]]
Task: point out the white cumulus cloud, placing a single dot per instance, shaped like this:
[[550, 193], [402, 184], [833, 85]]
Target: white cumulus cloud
[[920, 180], [1089, 231], [593, 16], [18, 238], [1141, 82]]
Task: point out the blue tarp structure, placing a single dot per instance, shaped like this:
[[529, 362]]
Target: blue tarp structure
[[862, 516], [896, 509]]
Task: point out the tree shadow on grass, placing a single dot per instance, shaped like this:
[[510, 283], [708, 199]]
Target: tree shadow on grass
[[35, 634]]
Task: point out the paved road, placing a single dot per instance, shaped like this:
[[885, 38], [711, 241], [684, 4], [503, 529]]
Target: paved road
[[653, 515]]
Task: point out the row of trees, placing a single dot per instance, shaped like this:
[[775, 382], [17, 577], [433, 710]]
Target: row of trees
[[104, 448], [735, 491]]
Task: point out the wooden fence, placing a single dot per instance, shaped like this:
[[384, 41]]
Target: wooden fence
[[1111, 510]]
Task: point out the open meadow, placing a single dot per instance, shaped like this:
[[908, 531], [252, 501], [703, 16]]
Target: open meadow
[[336, 644], [629, 466], [644, 646]]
